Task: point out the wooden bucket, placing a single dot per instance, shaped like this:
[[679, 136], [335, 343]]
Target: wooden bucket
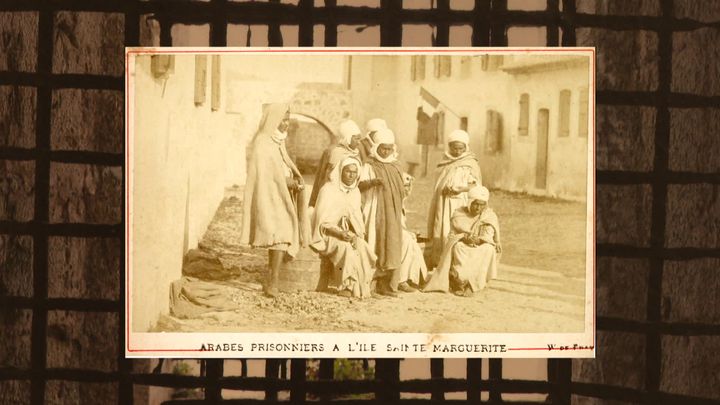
[[302, 273]]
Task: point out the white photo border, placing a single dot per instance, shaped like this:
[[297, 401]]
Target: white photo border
[[364, 345]]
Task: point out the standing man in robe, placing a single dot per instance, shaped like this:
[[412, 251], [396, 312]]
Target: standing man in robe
[[457, 173], [367, 142], [382, 203], [274, 215], [346, 146], [412, 271]]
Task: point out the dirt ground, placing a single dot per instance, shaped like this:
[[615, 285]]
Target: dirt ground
[[540, 286]]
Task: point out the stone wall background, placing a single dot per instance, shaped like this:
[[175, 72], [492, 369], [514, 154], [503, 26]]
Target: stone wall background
[[658, 288], [310, 140]]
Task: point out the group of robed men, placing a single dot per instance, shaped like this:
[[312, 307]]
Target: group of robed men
[[358, 224]]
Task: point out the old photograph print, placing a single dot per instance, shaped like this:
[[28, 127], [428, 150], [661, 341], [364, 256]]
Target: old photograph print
[[360, 203]]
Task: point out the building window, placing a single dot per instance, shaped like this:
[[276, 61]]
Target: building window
[[496, 62], [564, 125], [417, 68], [583, 113], [466, 67], [491, 62], [162, 66], [200, 78], [215, 84], [494, 132], [464, 123], [524, 114], [443, 66], [440, 128]]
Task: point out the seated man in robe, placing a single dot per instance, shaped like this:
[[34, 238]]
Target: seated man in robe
[[382, 189], [338, 232], [470, 257]]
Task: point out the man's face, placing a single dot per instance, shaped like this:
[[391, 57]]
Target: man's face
[[355, 141], [349, 174], [285, 123], [385, 149], [457, 148], [477, 207]]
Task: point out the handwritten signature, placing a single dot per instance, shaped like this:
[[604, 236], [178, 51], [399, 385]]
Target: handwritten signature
[[565, 347]]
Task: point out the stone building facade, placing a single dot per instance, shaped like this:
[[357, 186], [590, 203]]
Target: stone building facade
[[483, 94]]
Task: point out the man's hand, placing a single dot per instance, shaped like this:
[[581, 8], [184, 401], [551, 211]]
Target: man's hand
[[294, 183], [337, 233], [498, 248], [348, 236], [364, 185], [299, 182], [368, 184]]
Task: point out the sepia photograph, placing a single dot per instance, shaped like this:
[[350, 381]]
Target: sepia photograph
[[360, 202], [134, 139]]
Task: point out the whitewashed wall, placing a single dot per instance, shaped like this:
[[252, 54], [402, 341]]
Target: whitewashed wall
[[183, 157]]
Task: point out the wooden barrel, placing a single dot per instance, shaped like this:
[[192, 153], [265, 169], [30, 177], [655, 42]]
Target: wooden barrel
[[302, 273]]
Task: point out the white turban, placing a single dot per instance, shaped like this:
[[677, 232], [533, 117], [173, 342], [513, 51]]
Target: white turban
[[347, 130], [373, 126], [384, 135], [350, 160], [376, 124], [336, 174], [459, 135], [478, 193]]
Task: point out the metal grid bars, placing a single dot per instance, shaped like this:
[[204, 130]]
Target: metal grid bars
[[386, 385], [663, 101], [49, 161]]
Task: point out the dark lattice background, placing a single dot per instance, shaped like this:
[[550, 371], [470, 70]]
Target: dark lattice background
[[61, 188]]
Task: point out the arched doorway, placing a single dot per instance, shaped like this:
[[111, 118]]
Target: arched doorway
[[307, 140], [317, 109]]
